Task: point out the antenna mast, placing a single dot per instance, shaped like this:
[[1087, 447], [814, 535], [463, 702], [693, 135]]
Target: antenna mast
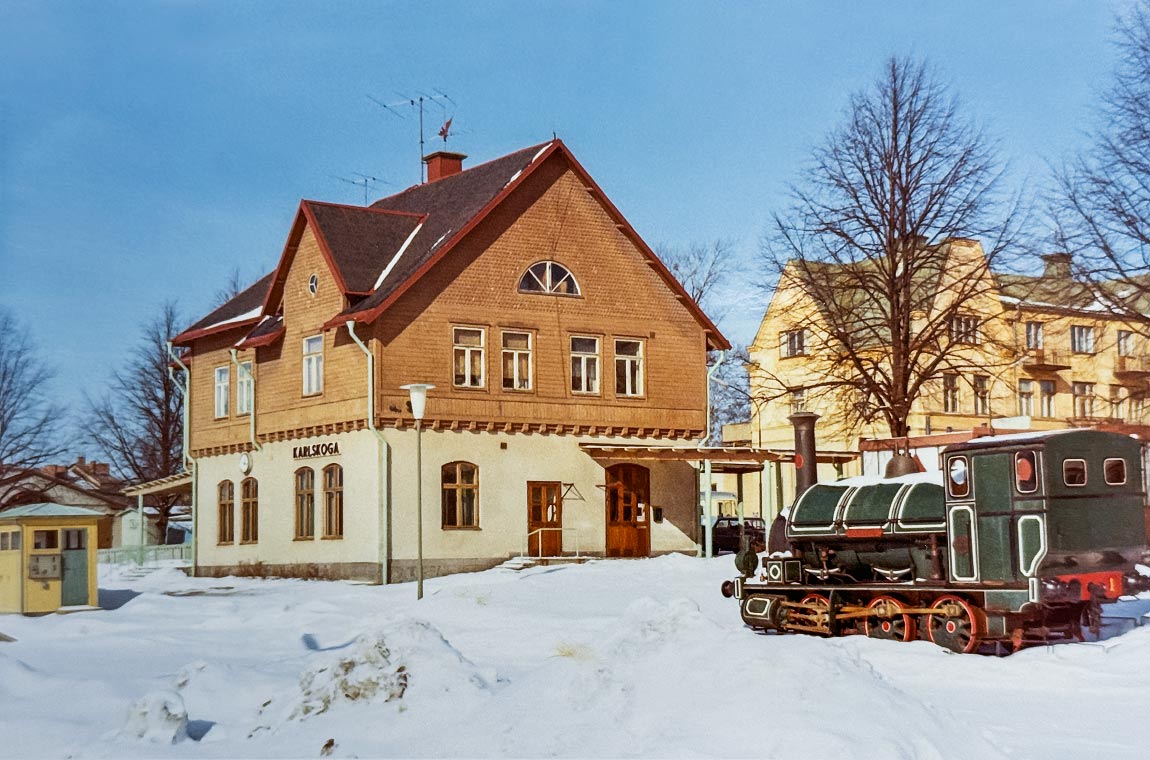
[[415, 102]]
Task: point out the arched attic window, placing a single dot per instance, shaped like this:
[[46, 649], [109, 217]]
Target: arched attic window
[[549, 277]]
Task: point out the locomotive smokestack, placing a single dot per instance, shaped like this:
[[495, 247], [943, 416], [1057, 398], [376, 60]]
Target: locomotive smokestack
[[806, 460]]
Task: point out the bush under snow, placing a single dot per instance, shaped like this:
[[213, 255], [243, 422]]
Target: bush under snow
[[159, 718]]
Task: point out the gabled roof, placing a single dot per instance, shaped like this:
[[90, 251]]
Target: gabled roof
[[242, 310], [379, 252]]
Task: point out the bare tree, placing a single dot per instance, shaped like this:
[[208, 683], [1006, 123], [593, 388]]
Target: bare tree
[[730, 392], [29, 420], [138, 423], [872, 237], [232, 288], [702, 269], [1102, 210]]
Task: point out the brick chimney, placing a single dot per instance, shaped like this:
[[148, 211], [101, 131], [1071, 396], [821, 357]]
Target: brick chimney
[[443, 163], [1056, 266]]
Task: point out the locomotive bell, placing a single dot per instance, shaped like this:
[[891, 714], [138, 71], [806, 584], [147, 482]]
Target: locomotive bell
[[900, 464]]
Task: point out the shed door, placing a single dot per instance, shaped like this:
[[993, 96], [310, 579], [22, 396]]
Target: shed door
[[74, 584]]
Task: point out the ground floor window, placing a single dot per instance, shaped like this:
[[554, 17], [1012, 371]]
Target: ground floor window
[[250, 511], [333, 501], [460, 495], [226, 510], [305, 503]]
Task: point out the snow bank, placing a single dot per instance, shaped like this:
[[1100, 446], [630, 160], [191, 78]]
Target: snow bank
[[158, 718]]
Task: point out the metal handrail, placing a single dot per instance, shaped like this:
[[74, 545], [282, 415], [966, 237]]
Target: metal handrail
[[539, 555], [126, 555]]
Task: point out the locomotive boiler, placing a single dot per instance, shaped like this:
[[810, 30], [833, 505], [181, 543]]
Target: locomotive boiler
[[1019, 539]]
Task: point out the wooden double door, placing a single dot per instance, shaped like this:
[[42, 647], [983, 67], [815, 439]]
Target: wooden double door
[[628, 511], [544, 518]]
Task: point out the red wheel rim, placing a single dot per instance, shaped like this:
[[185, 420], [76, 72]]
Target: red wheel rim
[[961, 634], [893, 628]]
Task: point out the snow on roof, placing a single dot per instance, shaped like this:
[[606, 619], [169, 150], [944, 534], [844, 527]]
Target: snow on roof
[[1028, 436], [240, 318], [48, 509], [391, 264]]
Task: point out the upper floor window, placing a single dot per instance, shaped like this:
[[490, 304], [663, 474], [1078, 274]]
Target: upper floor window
[[517, 361], [249, 511], [313, 365], [244, 388], [793, 343], [950, 397], [549, 277], [629, 367], [222, 391], [468, 356], [460, 483], [1082, 339], [333, 501], [964, 329], [584, 364], [1125, 343], [1034, 335]]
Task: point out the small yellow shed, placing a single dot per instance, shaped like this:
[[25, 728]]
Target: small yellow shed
[[47, 558]]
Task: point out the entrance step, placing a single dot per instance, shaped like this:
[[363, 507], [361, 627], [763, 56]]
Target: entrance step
[[523, 562]]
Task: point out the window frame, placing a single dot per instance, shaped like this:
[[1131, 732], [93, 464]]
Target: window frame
[[222, 391], [515, 353], [332, 502], [312, 364], [1084, 401], [951, 397], [225, 513], [1046, 400], [967, 491], [1035, 332], [1124, 343], [245, 389], [1085, 473], [1106, 471], [793, 343], [249, 511], [51, 537], [458, 487], [548, 288], [303, 480], [1026, 398], [467, 350], [1082, 339], [584, 359], [965, 329], [640, 371], [981, 386], [1034, 462]]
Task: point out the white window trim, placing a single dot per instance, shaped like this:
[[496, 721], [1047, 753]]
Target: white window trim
[[583, 357], [313, 361], [245, 389], [530, 351], [481, 349], [223, 390], [640, 375]]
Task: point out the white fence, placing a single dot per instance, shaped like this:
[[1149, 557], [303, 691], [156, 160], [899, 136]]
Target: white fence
[[143, 555]]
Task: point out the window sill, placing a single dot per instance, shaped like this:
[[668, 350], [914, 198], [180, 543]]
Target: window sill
[[225, 543], [469, 388], [256, 541], [317, 394], [585, 394], [461, 527], [304, 538], [331, 538]]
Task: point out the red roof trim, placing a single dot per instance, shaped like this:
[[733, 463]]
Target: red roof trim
[[263, 340], [717, 340], [370, 316], [324, 248], [290, 246], [185, 338]]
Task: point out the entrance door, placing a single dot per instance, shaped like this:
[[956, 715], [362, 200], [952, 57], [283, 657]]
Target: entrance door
[[74, 583], [628, 511], [544, 518]]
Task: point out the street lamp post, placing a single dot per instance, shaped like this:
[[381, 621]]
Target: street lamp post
[[418, 393]]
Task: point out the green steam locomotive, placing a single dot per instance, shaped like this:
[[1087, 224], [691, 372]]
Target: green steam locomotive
[[1027, 536]]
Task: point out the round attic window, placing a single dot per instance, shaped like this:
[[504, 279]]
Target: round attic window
[[312, 284]]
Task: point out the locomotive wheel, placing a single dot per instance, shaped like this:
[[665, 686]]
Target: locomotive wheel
[[888, 623], [822, 605], [960, 633]]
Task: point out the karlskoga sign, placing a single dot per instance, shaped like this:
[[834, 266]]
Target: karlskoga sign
[[315, 450]]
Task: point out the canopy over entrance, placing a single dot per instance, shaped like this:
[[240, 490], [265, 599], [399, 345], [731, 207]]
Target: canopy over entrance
[[723, 459], [180, 484]]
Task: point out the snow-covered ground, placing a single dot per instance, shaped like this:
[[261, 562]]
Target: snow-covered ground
[[639, 658]]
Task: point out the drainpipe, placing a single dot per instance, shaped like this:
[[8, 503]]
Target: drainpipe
[[384, 456], [185, 389], [708, 546], [251, 414]]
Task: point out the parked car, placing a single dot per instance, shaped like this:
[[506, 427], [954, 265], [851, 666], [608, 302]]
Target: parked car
[[725, 533]]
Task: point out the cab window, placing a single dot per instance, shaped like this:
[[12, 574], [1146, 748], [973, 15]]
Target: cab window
[[958, 477], [1074, 472], [1115, 471], [1026, 471]]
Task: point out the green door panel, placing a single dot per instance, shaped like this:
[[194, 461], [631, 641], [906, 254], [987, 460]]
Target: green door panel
[[74, 583], [993, 485]]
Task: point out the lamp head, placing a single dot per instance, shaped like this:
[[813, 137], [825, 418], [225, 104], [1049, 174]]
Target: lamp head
[[418, 393]]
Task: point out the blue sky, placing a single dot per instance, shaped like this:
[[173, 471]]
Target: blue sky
[[147, 149]]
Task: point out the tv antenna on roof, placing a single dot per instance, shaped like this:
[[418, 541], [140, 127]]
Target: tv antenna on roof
[[364, 180], [415, 103]]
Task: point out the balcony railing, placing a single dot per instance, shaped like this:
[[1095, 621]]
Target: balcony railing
[[1132, 366], [1045, 360]]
